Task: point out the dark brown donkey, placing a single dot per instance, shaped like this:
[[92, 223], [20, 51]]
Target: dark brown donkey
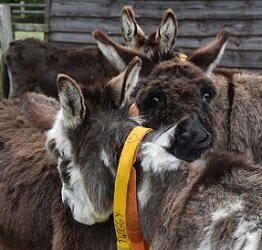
[[237, 106], [32, 63], [32, 213]]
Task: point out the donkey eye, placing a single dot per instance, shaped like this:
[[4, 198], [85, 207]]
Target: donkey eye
[[151, 100], [154, 101], [207, 93], [206, 97]]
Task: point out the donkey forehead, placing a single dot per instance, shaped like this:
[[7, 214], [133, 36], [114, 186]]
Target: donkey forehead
[[173, 86], [147, 43], [178, 75], [174, 68], [150, 41]]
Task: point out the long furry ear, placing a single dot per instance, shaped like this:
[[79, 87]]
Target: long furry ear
[[167, 31], [118, 55], [133, 35], [209, 56], [124, 83], [71, 100]]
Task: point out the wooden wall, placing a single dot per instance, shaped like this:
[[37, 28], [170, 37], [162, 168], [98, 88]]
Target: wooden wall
[[72, 22]]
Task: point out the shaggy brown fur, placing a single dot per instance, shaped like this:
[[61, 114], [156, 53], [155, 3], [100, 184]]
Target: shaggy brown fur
[[39, 109], [25, 170], [35, 63], [246, 116], [191, 211], [238, 109]]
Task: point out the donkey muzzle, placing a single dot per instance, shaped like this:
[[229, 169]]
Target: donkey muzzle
[[192, 138]]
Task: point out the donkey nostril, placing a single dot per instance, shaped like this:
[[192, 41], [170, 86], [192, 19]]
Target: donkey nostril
[[185, 135], [182, 137], [191, 132], [203, 138]]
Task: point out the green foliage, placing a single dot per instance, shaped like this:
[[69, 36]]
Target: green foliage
[[23, 35]]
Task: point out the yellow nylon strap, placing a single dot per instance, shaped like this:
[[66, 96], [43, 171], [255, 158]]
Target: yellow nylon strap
[[182, 57], [126, 161]]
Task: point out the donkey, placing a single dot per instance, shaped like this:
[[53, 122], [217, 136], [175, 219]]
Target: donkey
[[27, 62], [237, 106], [32, 62], [215, 202], [135, 38], [30, 184]]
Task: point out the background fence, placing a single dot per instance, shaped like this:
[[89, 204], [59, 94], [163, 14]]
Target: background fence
[[71, 22], [27, 12], [28, 17], [25, 17]]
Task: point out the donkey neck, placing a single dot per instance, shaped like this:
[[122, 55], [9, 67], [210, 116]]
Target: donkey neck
[[162, 197]]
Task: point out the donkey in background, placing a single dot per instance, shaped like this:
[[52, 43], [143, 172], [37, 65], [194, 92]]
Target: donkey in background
[[237, 106], [29, 63], [25, 165], [163, 40], [32, 63]]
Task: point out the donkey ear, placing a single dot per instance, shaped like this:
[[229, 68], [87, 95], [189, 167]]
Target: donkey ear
[[71, 100], [124, 84], [209, 56], [167, 31], [132, 33], [118, 55]]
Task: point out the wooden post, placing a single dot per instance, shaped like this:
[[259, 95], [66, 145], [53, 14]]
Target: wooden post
[[22, 9], [6, 34], [47, 20]]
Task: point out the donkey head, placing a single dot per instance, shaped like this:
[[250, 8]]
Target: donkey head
[[135, 38], [87, 126], [173, 88], [79, 165], [173, 92]]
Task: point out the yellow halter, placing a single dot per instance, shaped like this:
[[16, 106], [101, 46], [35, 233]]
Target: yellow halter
[[182, 57], [126, 161]]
